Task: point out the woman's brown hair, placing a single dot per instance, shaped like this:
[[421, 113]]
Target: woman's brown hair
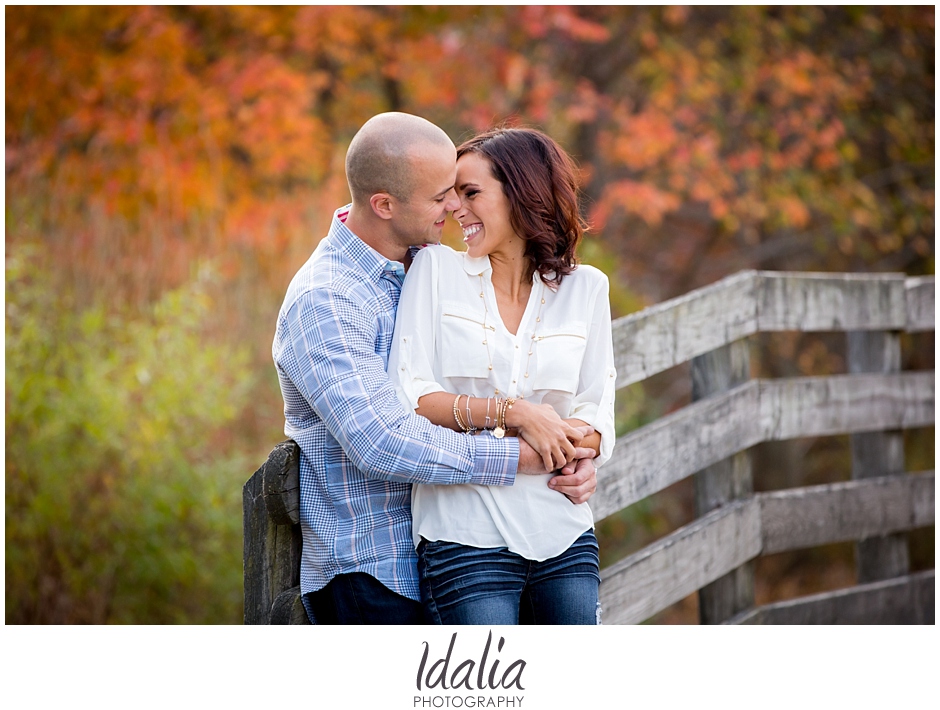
[[539, 179]]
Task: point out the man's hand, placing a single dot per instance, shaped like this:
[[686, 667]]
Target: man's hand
[[578, 479], [531, 461]]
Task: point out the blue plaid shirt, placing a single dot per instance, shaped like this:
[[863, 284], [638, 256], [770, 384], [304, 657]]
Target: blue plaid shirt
[[360, 449]]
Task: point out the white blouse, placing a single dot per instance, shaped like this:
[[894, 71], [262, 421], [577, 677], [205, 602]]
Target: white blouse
[[449, 339]]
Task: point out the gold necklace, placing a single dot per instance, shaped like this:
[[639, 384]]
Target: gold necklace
[[538, 320]]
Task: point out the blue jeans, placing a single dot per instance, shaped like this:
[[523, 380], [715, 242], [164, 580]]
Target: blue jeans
[[472, 585], [359, 598]]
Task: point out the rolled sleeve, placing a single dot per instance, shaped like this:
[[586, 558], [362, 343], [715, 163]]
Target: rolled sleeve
[[408, 370], [594, 402], [413, 346]]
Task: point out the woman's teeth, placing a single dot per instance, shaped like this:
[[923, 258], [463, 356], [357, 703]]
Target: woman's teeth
[[471, 230]]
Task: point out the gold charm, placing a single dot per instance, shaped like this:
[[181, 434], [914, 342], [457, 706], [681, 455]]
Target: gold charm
[[499, 432]]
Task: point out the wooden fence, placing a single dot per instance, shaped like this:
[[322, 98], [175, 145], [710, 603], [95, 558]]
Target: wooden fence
[[709, 440]]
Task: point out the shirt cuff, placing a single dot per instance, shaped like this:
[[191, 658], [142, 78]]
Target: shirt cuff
[[495, 461]]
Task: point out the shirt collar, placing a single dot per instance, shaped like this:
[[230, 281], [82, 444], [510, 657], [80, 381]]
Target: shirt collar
[[476, 265], [367, 258], [396, 268]]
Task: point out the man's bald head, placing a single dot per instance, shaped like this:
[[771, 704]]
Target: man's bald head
[[381, 153]]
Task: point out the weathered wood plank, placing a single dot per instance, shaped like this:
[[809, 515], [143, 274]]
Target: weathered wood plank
[[877, 453], [281, 483], [852, 510], [921, 305], [730, 479], [659, 454], [902, 600], [714, 373], [257, 526], [661, 574], [288, 609], [842, 404], [271, 552], [824, 302], [677, 330]]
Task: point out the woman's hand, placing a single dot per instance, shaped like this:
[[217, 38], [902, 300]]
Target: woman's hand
[[546, 432]]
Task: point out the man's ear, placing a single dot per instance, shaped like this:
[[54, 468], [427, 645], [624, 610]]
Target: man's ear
[[382, 204]]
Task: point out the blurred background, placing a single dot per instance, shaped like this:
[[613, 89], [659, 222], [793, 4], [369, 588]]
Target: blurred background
[[168, 169]]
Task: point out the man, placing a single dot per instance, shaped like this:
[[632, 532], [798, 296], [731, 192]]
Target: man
[[360, 449]]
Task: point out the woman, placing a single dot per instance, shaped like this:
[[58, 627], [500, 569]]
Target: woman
[[509, 337]]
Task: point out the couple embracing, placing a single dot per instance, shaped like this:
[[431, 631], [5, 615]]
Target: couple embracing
[[450, 423]]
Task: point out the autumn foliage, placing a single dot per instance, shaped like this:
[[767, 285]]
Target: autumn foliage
[[148, 148], [702, 132]]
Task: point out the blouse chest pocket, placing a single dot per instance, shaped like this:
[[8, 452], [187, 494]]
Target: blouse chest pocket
[[463, 350], [560, 353]]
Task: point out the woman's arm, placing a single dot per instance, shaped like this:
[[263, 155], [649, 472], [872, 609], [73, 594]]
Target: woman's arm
[[594, 401], [539, 424]]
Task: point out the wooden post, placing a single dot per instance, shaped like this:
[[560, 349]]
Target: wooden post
[[723, 482], [272, 540], [879, 453]]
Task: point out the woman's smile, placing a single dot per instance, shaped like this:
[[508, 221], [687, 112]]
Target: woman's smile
[[471, 230]]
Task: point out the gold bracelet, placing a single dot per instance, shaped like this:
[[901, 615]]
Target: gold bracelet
[[500, 431], [470, 423], [457, 415], [509, 402]]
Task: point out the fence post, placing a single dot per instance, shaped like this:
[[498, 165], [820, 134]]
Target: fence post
[[725, 481], [272, 540], [878, 453]]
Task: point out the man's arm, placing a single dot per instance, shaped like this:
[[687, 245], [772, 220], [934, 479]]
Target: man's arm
[[329, 344]]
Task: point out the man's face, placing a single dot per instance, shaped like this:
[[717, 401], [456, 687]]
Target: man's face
[[420, 220]]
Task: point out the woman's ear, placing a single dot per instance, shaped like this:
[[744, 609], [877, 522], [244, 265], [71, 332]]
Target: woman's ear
[[383, 204]]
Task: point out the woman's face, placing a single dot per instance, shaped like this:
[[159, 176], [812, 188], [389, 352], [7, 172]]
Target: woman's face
[[484, 209]]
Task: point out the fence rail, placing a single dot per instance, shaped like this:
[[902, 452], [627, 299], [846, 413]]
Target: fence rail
[[673, 332], [674, 447], [661, 574], [709, 440]]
